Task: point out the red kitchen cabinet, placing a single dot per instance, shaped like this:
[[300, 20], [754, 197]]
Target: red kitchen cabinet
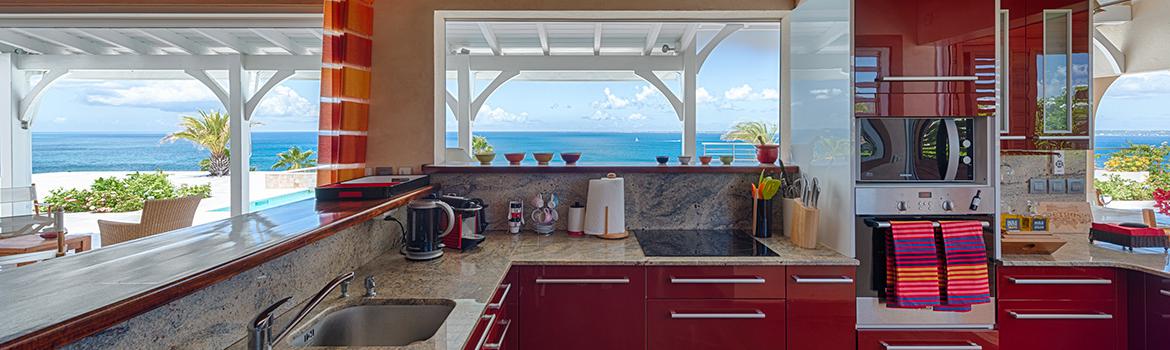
[[924, 58], [715, 282], [822, 307], [497, 328], [1157, 312], [715, 324], [1047, 83], [929, 340], [1059, 283], [1063, 324], [582, 307]]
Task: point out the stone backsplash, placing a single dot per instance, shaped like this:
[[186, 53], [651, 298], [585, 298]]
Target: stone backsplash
[[1016, 170]]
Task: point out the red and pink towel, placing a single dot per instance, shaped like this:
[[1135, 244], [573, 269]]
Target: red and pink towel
[[920, 275]]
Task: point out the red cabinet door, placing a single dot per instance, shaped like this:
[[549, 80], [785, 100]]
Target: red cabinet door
[[715, 282], [1062, 324], [714, 324], [823, 306], [1157, 315], [928, 340], [582, 307], [1058, 283]]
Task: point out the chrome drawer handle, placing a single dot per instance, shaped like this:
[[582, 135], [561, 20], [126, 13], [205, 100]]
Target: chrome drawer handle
[[623, 280], [753, 280], [504, 333], [1164, 292], [1096, 316], [929, 78], [833, 280], [486, 330], [716, 315], [969, 346], [1047, 281], [498, 305]]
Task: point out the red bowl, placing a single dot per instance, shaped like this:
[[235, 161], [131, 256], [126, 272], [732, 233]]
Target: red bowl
[[570, 158], [767, 154], [514, 158]]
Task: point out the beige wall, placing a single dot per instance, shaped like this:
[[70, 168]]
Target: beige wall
[[402, 111]]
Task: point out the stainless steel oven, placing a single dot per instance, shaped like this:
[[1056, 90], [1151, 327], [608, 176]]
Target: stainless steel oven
[[916, 150]]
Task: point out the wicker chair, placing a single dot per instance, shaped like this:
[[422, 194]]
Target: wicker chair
[[158, 216]]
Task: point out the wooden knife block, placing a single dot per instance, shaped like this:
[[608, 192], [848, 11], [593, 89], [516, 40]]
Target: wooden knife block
[[801, 228]]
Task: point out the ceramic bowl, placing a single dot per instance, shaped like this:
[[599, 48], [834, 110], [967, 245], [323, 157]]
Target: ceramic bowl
[[485, 158], [514, 158], [705, 160], [684, 160], [726, 160], [662, 159], [570, 158], [542, 158]]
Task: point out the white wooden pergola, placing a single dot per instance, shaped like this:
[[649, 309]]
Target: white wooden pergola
[[240, 58], [501, 51]]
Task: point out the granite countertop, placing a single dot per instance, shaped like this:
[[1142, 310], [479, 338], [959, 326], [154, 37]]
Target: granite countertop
[[470, 278], [1079, 252]]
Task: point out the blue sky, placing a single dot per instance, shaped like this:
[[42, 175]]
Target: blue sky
[[1136, 102]]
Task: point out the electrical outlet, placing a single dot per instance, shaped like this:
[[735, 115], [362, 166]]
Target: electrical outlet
[[1076, 186], [404, 171], [1056, 186], [383, 171], [1038, 186], [1058, 163]]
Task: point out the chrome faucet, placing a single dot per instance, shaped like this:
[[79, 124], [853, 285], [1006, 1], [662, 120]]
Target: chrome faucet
[[370, 285], [260, 329]]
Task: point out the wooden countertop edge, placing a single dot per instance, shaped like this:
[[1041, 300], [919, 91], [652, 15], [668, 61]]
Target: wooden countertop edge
[[603, 168], [87, 324]]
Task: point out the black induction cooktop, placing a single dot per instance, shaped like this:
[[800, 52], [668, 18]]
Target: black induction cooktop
[[700, 243]]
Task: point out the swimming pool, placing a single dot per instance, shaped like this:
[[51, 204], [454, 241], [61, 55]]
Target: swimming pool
[[275, 201]]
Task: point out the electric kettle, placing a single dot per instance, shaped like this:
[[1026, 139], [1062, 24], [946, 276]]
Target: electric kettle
[[428, 221]]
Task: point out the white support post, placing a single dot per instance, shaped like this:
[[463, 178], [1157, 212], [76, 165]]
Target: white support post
[[16, 144], [690, 102], [241, 138], [463, 110], [785, 91], [489, 89], [279, 77]]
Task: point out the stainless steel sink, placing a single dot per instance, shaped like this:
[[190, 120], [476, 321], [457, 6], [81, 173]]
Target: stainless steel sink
[[377, 325]]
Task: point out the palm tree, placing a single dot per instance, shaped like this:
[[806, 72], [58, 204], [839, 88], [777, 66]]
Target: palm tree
[[751, 132], [294, 158], [209, 131]]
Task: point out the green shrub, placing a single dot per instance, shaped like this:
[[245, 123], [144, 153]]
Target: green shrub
[[111, 194], [1124, 189], [1139, 157]]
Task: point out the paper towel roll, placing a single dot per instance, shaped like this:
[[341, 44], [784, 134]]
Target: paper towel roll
[[605, 210]]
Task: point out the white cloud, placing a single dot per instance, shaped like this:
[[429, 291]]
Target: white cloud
[[738, 93], [702, 96], [153, 93], [822, 94], [499, 115], [770, 94], [645, 92], [283, 101], [611, 101], [1140, 85], [600, 115], [59, 120], [636, 116]]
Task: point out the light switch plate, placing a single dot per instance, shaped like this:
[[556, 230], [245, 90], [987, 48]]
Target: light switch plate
[[1058, 163], [1056, 186], [1076, 185], [1038, 186]]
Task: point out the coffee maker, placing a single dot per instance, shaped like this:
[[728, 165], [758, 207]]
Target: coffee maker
[[470, 221], [429, 220]]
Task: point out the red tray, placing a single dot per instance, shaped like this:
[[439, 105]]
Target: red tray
[[372, 187]]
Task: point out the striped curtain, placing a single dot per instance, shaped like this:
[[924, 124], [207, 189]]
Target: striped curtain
[[345, 90]]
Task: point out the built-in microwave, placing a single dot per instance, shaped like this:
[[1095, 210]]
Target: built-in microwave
[[916, 149]]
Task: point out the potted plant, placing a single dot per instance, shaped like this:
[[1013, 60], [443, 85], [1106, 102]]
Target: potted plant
[[762, 135], [483, 150]]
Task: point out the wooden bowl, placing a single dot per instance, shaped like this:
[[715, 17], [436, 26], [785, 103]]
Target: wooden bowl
[[570, 158], [705, 160], [514, 158], [542, 158], [485, 158]]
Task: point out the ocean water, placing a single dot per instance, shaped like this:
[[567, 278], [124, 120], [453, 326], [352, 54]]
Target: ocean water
[[1106, 145]]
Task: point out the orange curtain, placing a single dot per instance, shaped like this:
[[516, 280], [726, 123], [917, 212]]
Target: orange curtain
[[345, 90]]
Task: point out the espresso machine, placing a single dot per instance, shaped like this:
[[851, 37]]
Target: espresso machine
[[470, 221], [428, 221]]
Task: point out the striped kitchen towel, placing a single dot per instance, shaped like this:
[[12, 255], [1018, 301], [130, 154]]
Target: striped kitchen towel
[[912, 263], [965, 261]]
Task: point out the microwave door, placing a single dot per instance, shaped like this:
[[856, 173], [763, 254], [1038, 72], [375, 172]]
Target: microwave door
[[909, 172], [953, 150]]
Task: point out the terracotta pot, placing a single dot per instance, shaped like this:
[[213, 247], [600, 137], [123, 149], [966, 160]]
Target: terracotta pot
[[485, 158], [514, 158], [542, 158], [705, 160], [570, 158], [767, 154], [726, 160]]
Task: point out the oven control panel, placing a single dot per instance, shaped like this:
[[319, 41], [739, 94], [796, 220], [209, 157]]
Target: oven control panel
[[925, 200]]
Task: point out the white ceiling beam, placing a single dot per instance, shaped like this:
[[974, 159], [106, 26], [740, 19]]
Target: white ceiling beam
[[574, 63], [688, 37], [711, 45], [491, 88], [597, 39], [64, 38], [254, 101], [115, 38], [652, 38], [172, 39], [316, 33], [283, 41], [489, 35], [1114, 56], [218, 90], [29, 102], [165, 62], [662, 88], [542, 33], [227, 39], [162, 20], [12, 38]]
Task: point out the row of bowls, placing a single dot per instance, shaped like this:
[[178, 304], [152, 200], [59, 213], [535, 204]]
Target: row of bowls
[[686, 160], [542, 158]]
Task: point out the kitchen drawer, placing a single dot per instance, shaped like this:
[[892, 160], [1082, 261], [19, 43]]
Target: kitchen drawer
[[1042, 324], [582, 307], [822, 303], [715, 282], [1058, 283], [714, 324], [928, 340], [483, 328], [501, 298], [1156, 313]]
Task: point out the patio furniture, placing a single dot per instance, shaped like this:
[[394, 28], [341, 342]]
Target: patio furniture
[[158, 216], [23, 250], [20, 213]]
